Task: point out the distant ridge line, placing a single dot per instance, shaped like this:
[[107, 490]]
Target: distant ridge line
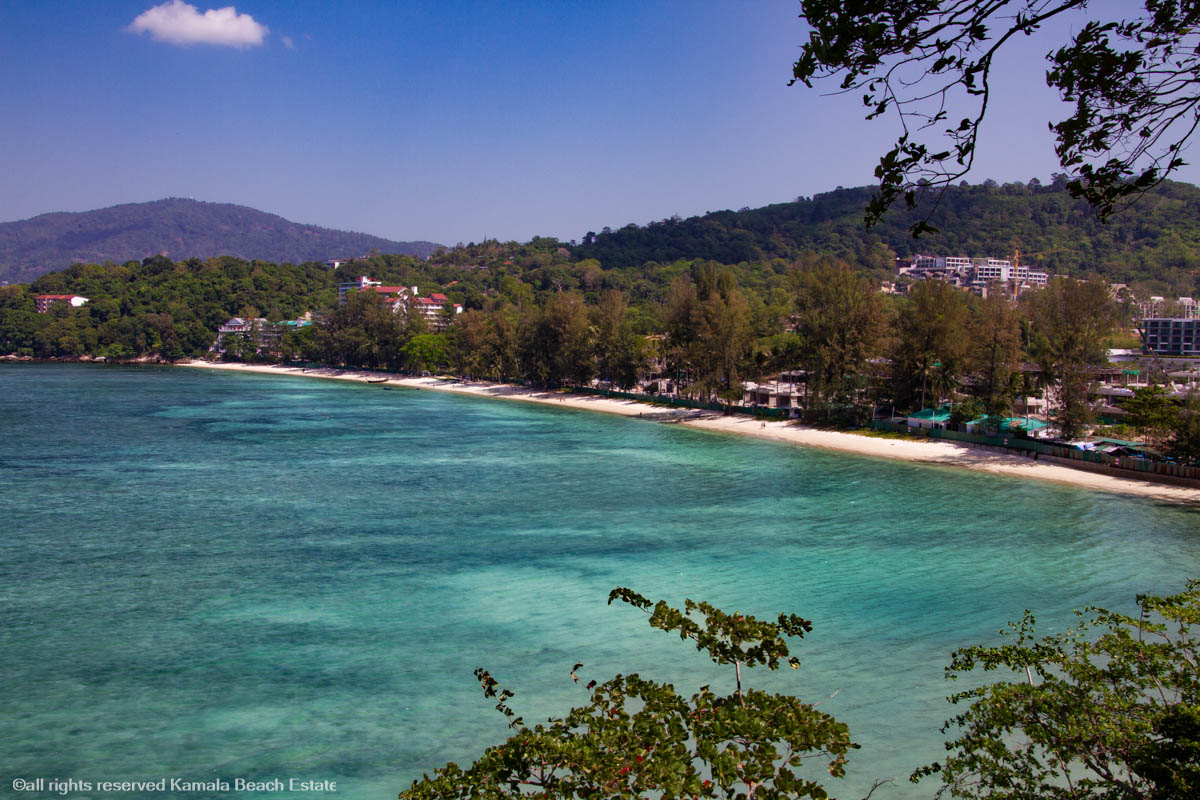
[[178, 228]]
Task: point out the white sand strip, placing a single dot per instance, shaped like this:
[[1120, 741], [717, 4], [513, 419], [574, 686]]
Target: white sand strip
[[928, 451]]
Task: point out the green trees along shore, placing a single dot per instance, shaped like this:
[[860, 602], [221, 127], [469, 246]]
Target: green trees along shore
[[692, 327], [545, 313]]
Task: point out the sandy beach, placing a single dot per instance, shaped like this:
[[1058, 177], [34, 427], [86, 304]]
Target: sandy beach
[[931, 451]]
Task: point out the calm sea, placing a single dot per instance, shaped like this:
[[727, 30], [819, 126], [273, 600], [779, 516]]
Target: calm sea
[[213, 576]]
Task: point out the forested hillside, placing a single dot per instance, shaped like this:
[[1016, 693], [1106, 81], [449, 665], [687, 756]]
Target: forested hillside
[[1155, 245], [155, 307], [172, 308], [178, 229], [1156, 241]]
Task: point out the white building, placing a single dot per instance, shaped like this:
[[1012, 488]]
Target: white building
[[940, 264], [432, 308], [974, 272], [356, 285], [42, 302], [996, 270]]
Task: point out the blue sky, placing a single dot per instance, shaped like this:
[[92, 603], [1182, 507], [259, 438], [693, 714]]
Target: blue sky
[[449, 121]]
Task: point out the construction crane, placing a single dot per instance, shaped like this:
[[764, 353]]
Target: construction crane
[[1017, 254], [1017, 264]]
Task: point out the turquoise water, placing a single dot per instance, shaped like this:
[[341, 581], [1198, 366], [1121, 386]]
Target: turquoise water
[[206, 575]]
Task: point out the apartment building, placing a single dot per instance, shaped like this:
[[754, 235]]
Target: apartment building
[[976, 273], [1170, 336]]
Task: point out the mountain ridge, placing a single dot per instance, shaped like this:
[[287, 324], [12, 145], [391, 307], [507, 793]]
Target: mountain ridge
[[178, 228], [1156, 239]]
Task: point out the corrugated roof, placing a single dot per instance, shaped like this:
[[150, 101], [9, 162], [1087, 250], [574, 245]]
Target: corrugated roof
[[1023, 423], [933, 414]]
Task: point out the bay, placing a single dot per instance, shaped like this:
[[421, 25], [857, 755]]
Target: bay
[[212, 575]]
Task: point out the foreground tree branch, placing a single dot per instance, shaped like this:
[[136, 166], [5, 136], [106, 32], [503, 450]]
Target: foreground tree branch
[[640, 738], [1134, 83], [1109, 709]]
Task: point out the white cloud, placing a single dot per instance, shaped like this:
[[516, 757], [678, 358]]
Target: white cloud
[[178, 22], [288, 43]]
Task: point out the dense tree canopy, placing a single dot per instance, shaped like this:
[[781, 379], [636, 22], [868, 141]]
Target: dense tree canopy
[[157, 306], [1070, 322], [1153, 246], [1109, 710], [839, 317], [695, 327], [995, 353]]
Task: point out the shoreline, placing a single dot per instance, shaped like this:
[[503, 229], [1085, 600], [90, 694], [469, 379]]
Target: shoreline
[[942, 452]]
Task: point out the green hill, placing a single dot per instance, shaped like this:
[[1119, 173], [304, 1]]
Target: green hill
[[1156, 241], [178, 229]]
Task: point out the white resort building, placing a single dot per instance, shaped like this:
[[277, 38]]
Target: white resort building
[[402, 298]]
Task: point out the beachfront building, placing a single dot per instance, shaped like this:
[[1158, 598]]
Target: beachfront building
[[656, 385], [1029, 426], [939, 419], [1029, 404], [43, 302], [772, 394], [257, 334], [1170, 336], [1033, 428], [929, 419]]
